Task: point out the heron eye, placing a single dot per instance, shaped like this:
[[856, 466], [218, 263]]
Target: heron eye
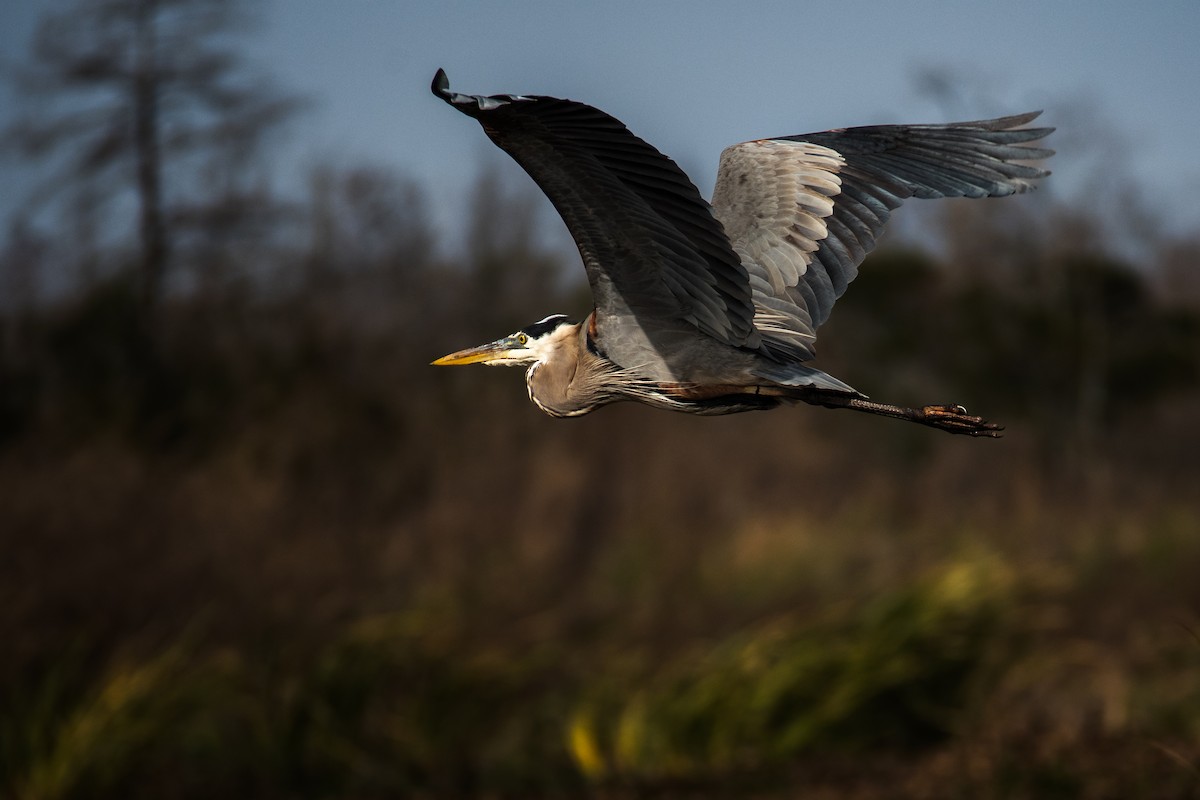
[[522, 339]]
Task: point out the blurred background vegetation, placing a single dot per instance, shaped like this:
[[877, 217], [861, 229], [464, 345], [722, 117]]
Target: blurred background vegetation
[[252, 545]]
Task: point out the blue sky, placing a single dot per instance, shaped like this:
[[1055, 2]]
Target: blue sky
[[693, 77]]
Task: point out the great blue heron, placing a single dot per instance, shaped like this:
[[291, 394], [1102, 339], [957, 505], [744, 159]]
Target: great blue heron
[[714, 309]]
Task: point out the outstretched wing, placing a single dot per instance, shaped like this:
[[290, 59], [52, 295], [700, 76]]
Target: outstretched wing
[[649, 242], [803, 211]]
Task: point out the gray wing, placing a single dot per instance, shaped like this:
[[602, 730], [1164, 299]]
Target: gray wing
[[803, 211], [649, 242]]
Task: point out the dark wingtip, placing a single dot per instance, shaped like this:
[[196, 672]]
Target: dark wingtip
[[441, 84]]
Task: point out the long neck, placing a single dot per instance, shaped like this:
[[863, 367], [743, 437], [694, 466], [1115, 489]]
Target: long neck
[[568, 381]]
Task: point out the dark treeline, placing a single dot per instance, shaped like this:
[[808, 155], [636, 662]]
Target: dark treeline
[[253, 545]]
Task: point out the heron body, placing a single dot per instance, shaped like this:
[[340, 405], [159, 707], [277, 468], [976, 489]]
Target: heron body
[[713, 308]]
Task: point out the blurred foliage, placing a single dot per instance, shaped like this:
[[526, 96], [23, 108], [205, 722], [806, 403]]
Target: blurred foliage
[[897, 674], [265, 550], [398, 703]]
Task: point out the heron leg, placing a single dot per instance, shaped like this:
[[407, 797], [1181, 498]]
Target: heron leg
[[952, 419]]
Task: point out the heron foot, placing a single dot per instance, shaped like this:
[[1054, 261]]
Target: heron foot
[[952, 419], [955, 419]]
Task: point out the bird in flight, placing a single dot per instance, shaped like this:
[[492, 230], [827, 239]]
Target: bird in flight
[[713, 308]]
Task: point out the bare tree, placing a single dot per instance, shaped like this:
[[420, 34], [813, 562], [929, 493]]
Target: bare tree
[[143, 97], [510, 265], [371, 247]]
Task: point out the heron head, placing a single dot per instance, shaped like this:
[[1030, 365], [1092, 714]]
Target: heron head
[[531, 344]]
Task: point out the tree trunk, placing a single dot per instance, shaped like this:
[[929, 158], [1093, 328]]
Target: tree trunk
[[155, 247]]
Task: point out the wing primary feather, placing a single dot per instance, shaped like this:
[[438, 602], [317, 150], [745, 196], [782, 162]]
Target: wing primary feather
[[874, 169]]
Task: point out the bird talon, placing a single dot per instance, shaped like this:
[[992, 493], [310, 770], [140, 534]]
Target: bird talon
[[954, 419]]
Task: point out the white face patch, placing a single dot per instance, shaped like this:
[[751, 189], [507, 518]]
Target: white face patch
[[544, 347], [536, 349]]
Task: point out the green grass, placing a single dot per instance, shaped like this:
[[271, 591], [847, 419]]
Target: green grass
[[960, 659]]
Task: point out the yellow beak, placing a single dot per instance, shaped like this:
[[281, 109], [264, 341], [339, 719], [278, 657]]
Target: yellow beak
[[477, 355]]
